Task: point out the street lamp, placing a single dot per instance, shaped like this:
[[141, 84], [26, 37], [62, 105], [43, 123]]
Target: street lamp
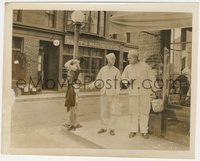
[[77, 17]]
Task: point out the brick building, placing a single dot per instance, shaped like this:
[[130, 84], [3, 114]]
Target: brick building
[[35, 56]]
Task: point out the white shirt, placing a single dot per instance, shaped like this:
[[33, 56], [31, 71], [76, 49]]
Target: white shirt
[[108, 79], [140, 77]]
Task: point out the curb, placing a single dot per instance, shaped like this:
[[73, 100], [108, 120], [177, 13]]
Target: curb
[[55, 96]]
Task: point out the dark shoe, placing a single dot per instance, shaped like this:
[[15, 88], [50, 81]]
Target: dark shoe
[[72, 128], [145, 135], [78, 126], [66, 125], [102, 131], [112, 132], [131, 134]]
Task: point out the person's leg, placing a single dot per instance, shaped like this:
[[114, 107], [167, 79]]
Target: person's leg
[[103, 113], [73, 118], [68, 123], [144, 113], [112, 116], [134, 114], [77, 123]]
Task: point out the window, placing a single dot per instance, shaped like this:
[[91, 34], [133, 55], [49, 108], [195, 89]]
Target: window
[[69, 22], [180, 66], [94, 22], [18, 59], [128, 37], [51, 18], [102, 23], [17, 15], [114, 36]]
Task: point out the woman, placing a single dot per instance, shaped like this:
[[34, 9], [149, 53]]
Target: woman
[[71, 97]]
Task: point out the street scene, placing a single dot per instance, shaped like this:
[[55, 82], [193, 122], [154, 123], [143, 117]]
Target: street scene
[[36, 125], [97, 79]]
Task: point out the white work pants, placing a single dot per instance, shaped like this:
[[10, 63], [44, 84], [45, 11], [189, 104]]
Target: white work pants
[[139, 107], [108, 120]]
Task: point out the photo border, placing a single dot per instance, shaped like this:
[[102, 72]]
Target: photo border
[[142, 7]]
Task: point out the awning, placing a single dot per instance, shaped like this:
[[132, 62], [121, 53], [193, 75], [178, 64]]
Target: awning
[[122, 22]]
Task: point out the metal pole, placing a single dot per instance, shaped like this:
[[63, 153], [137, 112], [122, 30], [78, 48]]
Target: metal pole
[[76, 39]]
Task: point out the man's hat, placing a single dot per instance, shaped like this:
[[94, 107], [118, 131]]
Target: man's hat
[[133, 53], [110, 55]]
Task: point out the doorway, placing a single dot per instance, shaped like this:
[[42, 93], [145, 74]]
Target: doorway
[[49, 65]]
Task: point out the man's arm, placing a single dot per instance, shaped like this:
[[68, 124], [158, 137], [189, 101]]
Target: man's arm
[[93, 84]]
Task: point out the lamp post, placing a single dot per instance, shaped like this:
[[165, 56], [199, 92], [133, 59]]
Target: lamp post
[[77, 18]]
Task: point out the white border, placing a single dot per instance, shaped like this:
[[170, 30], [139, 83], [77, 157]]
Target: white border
[[74, 158]]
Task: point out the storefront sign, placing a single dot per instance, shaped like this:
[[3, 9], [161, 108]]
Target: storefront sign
[[92, 43]]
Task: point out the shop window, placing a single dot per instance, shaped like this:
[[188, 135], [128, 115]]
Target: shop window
[[18, 59], [50, 18], [180, 67], [68, 50], [17, 15]]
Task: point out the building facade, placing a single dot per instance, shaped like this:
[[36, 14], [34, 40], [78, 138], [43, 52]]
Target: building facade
[[36, 57]]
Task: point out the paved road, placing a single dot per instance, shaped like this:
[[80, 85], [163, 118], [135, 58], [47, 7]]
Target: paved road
[[30, 116]]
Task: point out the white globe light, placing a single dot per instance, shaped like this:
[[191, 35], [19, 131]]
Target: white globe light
[[56, 42], [78, 16]]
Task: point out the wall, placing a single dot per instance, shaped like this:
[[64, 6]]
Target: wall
[[31, 50], [38, 18], [150, 47]]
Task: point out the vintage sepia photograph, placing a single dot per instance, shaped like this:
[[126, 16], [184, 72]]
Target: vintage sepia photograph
[[112, 80]]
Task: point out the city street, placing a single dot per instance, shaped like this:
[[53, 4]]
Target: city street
[[38, 124]]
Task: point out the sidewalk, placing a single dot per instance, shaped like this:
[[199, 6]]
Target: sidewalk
[[120, 140]]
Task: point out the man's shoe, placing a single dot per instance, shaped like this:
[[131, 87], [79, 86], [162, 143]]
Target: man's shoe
[[66, 125], [112, 132], [145, 135], [131, 134], [78, 126], [102, 131]]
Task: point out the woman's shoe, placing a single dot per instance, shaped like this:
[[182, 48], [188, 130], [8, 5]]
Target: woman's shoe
[[71, 128], [102, 131]]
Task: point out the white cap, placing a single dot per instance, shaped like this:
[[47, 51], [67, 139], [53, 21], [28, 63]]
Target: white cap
[[110, 55], [133, 53]]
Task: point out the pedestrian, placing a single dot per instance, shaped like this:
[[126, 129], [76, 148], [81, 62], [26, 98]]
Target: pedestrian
[[71, 97], [108, 80], [141, 80]]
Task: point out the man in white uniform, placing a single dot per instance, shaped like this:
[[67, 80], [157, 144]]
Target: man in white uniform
[[141, 78], [108, 80]]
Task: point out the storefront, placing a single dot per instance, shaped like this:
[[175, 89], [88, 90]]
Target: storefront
[[174, 70]]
